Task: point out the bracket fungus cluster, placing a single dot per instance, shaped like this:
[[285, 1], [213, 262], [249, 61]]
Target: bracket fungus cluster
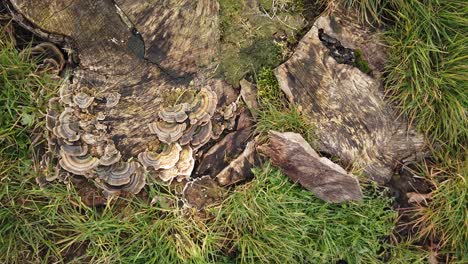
[[115, 122], [77, 145], [182, 128], [80, 145]]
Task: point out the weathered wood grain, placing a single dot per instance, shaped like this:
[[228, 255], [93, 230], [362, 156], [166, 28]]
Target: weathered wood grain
[[327, 180], [353, 120], [180, 35]]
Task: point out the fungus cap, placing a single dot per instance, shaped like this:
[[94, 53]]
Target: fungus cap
[[167, 132], [173, 114], [79, 165], [164, 160], [203, 106], [83, 100]]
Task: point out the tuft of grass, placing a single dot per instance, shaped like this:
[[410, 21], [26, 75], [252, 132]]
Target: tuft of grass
[[426, 76], [275, 112], [370, 11], [445, 219], [405, 252], [360, 63], [272, 220]]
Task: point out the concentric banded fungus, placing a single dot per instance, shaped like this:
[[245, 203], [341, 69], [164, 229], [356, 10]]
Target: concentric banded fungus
[[50, 57], [118, 174], [67, 127], [230, 111], [202, 135], [175, 113], [83, 100], [203, 106], [164, 160], [167, 132], [169, 174], [111, 155], [186, 162], [137, 181], [188, 135], [89, 139], [135, 184], [79, 165], [66, 93], [182, 170], [74, 150], [112, 99]]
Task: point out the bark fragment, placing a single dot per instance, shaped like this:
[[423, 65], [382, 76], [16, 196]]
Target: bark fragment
[[327, 180]]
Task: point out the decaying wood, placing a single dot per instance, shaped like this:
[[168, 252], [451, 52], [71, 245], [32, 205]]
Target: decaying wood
[[130, 111], [327, 180], [346, 105], [249, 95], [239, 169], [222, 153]]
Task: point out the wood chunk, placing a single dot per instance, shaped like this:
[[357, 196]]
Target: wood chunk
[[222, 153], [249, 95], [327, 180], [179, 35], [347, 106], [240, 168]]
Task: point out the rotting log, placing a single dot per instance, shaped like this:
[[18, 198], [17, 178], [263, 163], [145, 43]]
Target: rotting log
[[347, 106]]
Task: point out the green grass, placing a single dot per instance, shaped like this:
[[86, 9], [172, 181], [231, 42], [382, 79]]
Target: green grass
[[274, 221], [426, 76], [405, 252], [445, 219], [276, 113], [269, 220]]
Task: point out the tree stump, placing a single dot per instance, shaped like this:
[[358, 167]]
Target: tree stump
[[140, 106]]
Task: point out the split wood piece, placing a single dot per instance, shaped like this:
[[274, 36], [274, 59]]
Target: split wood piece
[[219, 156], [327, 180], [248, 92], [240, 169], [347, 106]]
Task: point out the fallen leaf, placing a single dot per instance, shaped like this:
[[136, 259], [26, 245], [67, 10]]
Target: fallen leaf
[[418, 198]]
